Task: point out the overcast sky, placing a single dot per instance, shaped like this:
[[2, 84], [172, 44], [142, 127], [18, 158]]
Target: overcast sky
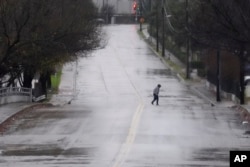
[[122, 6]]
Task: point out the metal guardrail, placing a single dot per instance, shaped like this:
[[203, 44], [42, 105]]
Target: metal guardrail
[[16, 91]]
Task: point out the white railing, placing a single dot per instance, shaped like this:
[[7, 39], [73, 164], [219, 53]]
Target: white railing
[[15, 94]]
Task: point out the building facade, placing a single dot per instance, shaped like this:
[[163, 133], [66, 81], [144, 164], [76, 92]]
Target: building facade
[[120, 6]]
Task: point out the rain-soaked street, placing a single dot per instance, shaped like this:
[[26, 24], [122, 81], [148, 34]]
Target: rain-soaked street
[[112, 123]]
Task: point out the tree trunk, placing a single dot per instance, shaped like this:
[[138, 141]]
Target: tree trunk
[[48, 74], [43, 82], [27, 78], [218, 99], [242, 76]]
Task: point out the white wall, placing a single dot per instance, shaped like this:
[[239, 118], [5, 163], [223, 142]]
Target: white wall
[[121, 6]]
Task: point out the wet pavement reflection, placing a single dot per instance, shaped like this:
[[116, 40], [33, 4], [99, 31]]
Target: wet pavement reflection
[[111, 122]]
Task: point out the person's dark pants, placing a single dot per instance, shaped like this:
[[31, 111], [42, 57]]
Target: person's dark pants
[[156, 98]]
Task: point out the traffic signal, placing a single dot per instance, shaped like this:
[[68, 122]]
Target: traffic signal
[[135, 5]]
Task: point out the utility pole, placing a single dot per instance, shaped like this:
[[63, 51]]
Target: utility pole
[[150, 24], [107, 10], [103, 9], [150, 4], [188, 43], [140, 12], [157, 26], [218, 99], [163, 28], [242, 57]]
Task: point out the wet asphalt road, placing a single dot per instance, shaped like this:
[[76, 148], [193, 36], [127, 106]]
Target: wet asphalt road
[[111, 122]]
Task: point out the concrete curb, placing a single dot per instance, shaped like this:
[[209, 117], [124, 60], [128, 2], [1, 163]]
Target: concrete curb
[[57, 102], [203, 96], [5, 124]]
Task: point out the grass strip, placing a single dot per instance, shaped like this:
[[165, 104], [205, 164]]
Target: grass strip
[[55, 81]]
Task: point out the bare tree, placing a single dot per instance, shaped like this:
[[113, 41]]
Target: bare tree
[[223, 25], [38, 35]]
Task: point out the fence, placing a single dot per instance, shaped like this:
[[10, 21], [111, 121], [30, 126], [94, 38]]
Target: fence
[[15, 94], [226, 84]]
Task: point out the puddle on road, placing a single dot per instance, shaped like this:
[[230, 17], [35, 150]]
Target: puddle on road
[[48, 150], [39, 118], [159, 72], [211, 154], [31, 150], [247, 132]]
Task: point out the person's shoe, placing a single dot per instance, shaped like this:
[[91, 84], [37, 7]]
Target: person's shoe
[[152, 103]]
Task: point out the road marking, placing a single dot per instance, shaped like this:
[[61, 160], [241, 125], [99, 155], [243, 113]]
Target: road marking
[[126, 146], [125, 149]]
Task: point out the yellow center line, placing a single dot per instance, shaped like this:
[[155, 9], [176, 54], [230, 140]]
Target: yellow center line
[[126, 146], [125, 149]]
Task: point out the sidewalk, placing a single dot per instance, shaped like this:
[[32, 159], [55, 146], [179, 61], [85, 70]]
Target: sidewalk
[[8, 110], [11, 112], [65, 94]]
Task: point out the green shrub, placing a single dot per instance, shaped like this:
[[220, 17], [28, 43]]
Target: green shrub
[[55, 80]]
